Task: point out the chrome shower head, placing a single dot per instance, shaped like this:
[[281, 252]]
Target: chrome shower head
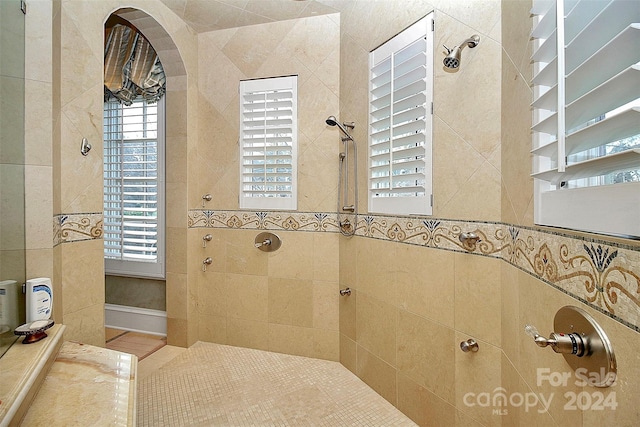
[[452, 60], [332, 121]]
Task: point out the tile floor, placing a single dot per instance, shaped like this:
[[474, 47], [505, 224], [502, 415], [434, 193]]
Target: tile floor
[[217, 385]]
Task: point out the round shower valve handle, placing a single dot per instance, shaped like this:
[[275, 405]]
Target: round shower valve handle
[[583, 344], [267, 242]]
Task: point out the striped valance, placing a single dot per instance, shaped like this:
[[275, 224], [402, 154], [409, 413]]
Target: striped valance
[[132, 68]]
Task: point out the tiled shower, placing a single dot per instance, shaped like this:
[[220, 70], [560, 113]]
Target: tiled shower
[[417, 293]]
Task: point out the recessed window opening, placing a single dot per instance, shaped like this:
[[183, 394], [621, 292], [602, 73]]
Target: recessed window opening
[[134, 166], [268, 143], [586, 115], [400, 122]]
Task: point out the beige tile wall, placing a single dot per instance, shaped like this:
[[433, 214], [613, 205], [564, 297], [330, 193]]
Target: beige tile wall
[[401, 327], [13, 86], [283, 301], [526, 299], [65, 44], [411, 307]]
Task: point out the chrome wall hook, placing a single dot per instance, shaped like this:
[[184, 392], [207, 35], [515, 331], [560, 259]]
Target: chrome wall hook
[[205, 262], [469, 240], [468, 237], [469, 345], [206, 238], [206, 198], [85, 147]]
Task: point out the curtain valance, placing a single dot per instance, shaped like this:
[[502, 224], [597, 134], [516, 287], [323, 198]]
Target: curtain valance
[[132, 67]]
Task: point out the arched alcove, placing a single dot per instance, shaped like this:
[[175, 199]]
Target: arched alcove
[[159, 38], [176, 168]]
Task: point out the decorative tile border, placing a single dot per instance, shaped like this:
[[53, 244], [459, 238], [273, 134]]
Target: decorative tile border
[[290, 221], [605, 275], [77, 227], [434, 233], [602, 274]]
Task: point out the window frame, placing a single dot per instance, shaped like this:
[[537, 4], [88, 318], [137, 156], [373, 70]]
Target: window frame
[[401, 205], [262, 201], [612, 209], [145, 269]]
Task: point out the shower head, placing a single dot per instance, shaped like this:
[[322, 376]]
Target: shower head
[[332, 121], [452, 60]]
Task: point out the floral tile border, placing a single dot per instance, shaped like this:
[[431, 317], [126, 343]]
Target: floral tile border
[[77, 227], [290, 221], [434, 233], [605, 275]]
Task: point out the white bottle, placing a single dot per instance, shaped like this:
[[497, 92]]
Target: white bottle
[[39, 299]]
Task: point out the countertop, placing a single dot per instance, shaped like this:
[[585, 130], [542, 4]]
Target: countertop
[[86, 386], [22, 370]]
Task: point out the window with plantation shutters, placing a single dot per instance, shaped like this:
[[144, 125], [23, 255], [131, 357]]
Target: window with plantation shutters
[[134, 188], [586, 123], [400, 122], [268, 143]]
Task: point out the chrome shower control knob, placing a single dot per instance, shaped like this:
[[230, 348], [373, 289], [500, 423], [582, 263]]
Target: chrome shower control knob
[[205, 262], [469, 345], [571, 343], [265, 242], [583, 344], [206, 198]]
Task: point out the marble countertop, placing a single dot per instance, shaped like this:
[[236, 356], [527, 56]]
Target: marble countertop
[[22, 369], [86, 386]]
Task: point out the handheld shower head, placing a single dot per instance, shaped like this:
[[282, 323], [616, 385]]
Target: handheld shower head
[[332, 121], [452, 60]]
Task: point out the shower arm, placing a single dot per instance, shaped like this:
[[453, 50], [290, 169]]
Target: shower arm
[[471, 42]]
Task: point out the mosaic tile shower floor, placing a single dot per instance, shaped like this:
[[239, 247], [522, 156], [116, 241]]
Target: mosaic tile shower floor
[[217, 385]]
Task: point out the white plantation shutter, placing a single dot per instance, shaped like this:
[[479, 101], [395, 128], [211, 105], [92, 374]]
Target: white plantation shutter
[[586, 139], [134, 189], [268, 143], [400, 122]]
